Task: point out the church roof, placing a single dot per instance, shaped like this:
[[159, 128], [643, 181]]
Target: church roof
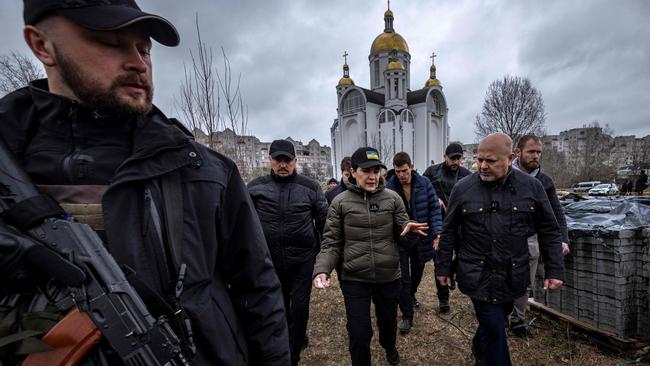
[[417, 96], [374, 97], [389, 41]]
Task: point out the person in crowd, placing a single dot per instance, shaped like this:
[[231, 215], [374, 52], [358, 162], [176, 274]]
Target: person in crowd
[[528, 153], [490, 216], [444, 177], [346, 171], [641, 183], [331, 183], [421, 204], [292, 209], [365, 225], [90, 134]]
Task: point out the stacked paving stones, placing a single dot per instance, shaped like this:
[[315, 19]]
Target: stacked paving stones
[[607, 281]]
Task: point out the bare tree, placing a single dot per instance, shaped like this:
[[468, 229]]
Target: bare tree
[[199, 100], [383, 144], [210, 100], [512, 106], [16, 71]]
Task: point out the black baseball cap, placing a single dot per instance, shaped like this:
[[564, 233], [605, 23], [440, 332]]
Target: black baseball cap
[[366, 157], [282, 148], [102, 15], [453, 150]]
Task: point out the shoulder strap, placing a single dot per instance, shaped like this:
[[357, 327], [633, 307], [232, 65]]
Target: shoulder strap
[[172, 196]]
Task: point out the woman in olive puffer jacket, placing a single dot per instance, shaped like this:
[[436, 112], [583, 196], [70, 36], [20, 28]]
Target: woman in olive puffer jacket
[[364, 227]]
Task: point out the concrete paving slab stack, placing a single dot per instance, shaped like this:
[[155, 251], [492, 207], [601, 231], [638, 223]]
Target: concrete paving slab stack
[[607, 281]]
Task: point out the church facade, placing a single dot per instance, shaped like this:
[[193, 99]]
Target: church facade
[[389, 115]]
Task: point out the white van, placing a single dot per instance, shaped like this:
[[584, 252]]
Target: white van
[[584, 186]]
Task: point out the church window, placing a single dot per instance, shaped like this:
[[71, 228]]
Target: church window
[[396, 85], [376, 67], [353, 102]]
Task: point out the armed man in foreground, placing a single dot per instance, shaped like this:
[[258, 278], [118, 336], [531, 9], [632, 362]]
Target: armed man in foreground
[[175, 216], [491, 215]]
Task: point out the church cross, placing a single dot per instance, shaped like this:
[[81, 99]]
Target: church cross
[[432, 57], [345, 56], [388, 4]]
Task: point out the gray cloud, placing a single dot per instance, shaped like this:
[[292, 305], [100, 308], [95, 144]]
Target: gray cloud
[[589, 59]]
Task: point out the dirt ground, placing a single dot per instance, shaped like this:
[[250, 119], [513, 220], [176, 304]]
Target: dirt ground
[[444, 339]]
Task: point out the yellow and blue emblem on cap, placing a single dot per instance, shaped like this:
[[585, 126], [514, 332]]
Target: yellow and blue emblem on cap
[[372, 155]]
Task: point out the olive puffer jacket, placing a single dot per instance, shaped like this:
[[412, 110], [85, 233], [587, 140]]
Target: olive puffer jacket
[[363, 229]]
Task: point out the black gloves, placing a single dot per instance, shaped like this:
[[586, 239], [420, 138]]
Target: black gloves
[[24, 261]]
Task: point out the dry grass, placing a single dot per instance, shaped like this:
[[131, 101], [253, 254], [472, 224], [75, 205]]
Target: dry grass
[[441, 339]]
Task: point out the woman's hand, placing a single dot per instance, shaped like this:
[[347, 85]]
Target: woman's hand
[[416, 227], [321, 281]]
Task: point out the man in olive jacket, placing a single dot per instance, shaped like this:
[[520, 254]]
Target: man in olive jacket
[[497, 209], [90, 132]]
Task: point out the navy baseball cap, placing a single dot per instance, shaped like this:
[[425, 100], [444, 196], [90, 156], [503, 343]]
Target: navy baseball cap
[[366, 157], [102, 15]]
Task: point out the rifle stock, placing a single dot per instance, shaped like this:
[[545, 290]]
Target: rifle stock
[[71, 339]]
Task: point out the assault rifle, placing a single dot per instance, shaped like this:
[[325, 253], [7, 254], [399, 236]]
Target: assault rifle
[[107, 306]]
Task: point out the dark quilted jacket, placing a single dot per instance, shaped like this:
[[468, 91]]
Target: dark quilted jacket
[[292, 211], [424, 208]]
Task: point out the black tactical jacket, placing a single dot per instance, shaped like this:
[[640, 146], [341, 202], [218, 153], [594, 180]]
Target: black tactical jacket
[[292, 211], [495, 221], [231, 293], [443, 179]]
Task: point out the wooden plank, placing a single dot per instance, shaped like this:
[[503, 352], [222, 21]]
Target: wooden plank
[[625, 342]]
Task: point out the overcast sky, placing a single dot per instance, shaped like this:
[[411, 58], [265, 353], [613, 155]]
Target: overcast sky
[[590, 59]]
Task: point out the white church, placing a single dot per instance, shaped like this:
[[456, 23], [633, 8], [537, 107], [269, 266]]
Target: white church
[[389, 115]]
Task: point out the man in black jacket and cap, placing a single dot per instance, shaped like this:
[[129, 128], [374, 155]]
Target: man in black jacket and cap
[[491, 214], [444, 177], [292, 209], [88, 135]]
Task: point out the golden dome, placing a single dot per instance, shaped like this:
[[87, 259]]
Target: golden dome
[[346, 81], [395, 65], [388, 13], [389, 41], [432, 82]]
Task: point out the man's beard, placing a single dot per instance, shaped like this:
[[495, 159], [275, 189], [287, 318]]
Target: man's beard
[[105, 101], [530, 165]]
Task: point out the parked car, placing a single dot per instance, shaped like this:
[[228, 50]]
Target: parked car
[[584, 186], [605, 189]]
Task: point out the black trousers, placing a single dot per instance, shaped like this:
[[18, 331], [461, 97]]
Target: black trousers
[[412, 271], [357, 296], [490, 343], [296, 290], [443, 291]]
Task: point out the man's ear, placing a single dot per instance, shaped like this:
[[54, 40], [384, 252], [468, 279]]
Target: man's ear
[[40, 44]]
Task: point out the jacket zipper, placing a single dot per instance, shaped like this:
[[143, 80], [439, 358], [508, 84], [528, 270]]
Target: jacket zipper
[[372, 250]]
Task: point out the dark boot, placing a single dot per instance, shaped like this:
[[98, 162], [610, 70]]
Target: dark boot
[[443, 306], [519, 328], [392, 357], [406, 326]]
